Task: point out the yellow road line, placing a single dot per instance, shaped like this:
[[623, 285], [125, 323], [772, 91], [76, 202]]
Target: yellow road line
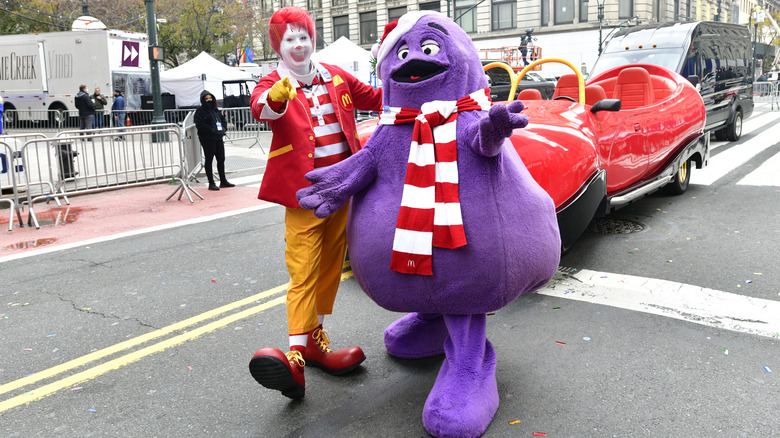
[[53, 371], [129, 358]]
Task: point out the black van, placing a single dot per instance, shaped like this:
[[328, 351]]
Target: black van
[[716, 56]]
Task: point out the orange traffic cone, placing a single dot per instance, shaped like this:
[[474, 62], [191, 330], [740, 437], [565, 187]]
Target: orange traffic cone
[[127, 121]]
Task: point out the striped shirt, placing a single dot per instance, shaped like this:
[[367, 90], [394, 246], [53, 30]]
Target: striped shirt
[[330, 143]]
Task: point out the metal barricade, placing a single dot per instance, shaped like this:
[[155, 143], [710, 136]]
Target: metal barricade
[[82, 162], [242, 126], [192, 149], [11, 170], [767, 92]]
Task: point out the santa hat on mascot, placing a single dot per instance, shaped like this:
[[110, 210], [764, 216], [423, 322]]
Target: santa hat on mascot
[[393, 32]]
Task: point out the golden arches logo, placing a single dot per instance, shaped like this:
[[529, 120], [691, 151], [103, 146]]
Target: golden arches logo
[[346, 100]]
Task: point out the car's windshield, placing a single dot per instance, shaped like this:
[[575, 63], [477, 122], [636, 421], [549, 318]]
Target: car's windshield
[[669, 58]]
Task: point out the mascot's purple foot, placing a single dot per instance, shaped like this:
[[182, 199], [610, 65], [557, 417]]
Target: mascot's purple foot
[[416, 336], [464, 398]]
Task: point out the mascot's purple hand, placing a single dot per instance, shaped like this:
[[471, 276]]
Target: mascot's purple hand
[[498, 126], [333, 186]]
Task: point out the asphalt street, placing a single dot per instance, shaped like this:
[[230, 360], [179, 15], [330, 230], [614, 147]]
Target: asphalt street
[[150, 335]]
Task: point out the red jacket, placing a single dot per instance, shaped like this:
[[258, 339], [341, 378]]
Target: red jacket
[[292, 147]]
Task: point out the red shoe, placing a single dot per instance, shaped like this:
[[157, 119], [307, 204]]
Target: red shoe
[[282, 372], [338, 362]]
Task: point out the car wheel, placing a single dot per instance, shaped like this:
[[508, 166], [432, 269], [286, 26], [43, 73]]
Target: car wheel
[[679, 183], [734, 130], [10, 118], [56, 116]]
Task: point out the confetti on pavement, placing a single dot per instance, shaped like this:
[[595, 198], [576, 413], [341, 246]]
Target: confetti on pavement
[[76, 388], [586, 338], [92, 410], [767, 369], [560, 343], [189, 367], [726, 352], [540, 434], [514, 422]]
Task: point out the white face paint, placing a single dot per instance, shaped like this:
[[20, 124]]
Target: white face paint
[[296, 48]]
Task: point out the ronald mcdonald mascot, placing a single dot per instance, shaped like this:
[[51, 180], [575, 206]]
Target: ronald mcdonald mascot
[[310, 108], [445, 222]]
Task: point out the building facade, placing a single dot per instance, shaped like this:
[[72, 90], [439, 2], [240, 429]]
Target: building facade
[[568, 29]]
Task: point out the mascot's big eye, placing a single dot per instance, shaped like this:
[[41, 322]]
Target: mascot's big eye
[[430, 47], [403, 52]]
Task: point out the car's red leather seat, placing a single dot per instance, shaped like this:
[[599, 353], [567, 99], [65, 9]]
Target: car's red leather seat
[[530, 94], [593, 94], [662, 87], [634, 88], [567, 86]]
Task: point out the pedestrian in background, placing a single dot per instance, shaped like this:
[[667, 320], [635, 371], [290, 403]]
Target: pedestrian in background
[[100, 103], [1, 114], [118, 111], [526, 45], [86, 107], [212, 126]]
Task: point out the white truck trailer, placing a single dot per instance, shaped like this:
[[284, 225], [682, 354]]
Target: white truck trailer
[[40, 73]]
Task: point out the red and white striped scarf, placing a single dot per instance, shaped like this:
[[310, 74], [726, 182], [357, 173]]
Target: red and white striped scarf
[[430, 207]]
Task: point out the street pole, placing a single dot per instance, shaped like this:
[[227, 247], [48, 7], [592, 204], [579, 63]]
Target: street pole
[[151, 21], [601, 20]]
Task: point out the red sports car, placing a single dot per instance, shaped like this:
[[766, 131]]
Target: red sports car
[[598, 146]]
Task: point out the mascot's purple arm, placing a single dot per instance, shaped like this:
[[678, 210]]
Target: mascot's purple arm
[[332, 187]]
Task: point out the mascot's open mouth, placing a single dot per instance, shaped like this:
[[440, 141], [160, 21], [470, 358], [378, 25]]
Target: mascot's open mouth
[[417, 70]]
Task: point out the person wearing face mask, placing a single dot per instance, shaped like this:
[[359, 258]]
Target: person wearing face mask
[[212, 126], [310, 108]]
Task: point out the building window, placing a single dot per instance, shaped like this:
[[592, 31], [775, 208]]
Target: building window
[[338, 2], [314, 4], [625, 8], [340, 27], [320, 34], [545, 12], [503, 14], [583, 11], [466, 14], [368, 28], [432, 6], [395, 13], [564, 11]]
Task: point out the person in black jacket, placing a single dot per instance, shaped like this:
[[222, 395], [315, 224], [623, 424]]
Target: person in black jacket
[[211, 126], [86, 107]]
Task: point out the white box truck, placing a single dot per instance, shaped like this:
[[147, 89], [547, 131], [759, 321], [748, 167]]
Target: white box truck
[[40, 73]]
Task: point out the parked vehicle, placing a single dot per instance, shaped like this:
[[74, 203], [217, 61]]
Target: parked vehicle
[[500, 83], [717, 56], [40, 73], [593, 158]]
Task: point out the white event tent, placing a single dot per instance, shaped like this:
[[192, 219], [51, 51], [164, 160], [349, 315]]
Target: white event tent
[[347, 55], [202, 72]]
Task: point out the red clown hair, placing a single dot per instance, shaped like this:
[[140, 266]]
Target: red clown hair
[[277, 26]]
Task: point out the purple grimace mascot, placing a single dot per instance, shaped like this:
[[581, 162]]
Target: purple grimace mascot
[[445, 221]]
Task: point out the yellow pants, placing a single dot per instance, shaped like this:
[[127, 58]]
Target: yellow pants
[[315, 257]]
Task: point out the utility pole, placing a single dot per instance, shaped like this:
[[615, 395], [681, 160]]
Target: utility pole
[[717, 14], [151, 25]]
